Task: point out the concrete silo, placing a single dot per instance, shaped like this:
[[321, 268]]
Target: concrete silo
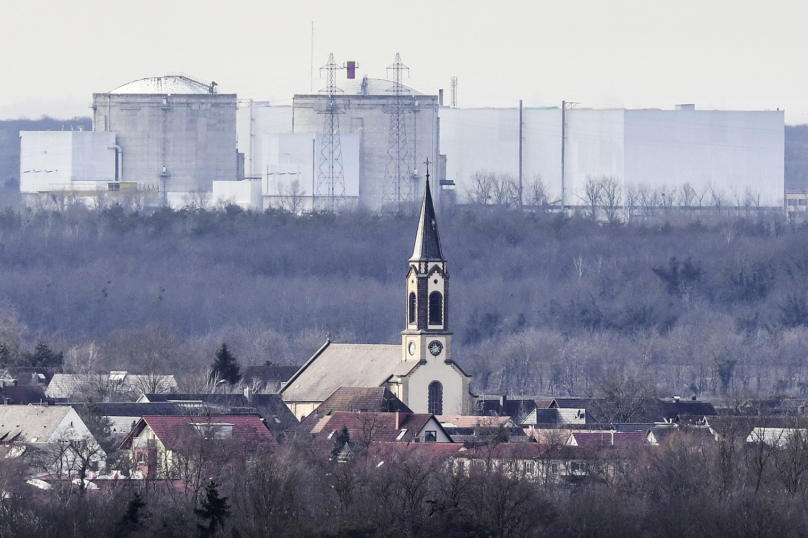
[[176, 135]]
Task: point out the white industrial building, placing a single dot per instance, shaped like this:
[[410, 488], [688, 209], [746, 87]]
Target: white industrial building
[[59, 160], [734, 153], [282, 144], [177, 135], [168, 139]]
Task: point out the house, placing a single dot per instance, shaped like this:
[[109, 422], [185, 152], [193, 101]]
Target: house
[[356, 400], [474, 430], [176, 447], [641, 410], [268, 378], [515, 407], [367, 428], [558, 416], [124, 415], [26, 375], [62, 443], [22, 394], [117, 386], [420, 371], [605, 438], [270, 407], [778, 437], [662, 433]]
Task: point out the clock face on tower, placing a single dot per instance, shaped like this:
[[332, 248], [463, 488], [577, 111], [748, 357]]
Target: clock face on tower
[[411, 348], [435, 347]]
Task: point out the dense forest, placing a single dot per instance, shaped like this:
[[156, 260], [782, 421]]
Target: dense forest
[[711, 304]]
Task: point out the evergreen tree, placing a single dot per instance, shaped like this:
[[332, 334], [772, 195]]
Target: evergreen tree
[[43, 356], [130, 522], [342, 438], [225, 367], [213, 512]]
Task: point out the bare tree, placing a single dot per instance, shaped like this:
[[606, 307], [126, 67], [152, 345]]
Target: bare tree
[[505, 190], [612, 197], [632, 201], [649, 200], [716, 197], [536, 193], [482, 188], [292, 196], [592, 196], [623, 394], [687, 195]]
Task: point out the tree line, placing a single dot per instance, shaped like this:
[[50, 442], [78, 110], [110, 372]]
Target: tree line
[[686, 486], [541, 303]]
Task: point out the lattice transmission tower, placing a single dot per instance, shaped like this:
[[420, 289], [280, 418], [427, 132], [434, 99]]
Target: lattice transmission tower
[[331, 178], [398, 183]]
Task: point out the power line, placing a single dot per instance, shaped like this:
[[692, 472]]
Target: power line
[[331, 175]]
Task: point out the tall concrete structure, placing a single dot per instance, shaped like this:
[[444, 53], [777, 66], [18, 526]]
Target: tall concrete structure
[[176, 134], [366, 107], [736, 154]]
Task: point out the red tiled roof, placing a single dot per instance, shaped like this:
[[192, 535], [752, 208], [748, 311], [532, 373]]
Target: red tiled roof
[[171, 430]]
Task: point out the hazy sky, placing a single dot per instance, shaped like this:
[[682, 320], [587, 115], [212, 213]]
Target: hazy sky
[[635, 54]]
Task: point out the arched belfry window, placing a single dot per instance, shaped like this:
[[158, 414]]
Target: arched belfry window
[[411, 307], [435, 308], [436, 398]]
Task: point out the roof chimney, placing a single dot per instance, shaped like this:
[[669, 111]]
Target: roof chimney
[[400, 418]]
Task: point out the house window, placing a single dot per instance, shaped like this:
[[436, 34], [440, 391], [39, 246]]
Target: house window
[[141, 457], [529, 467], [412, 307], [435, 398], [430, 436], [435, 308]]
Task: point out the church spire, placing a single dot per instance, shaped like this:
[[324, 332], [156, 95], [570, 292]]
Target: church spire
[[427, 240]]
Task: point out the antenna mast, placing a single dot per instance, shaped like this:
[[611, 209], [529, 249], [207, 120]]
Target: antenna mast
[[454, 92], [331, 180], [398, 184]]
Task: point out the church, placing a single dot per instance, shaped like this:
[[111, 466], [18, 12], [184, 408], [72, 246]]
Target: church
[[420, 371]]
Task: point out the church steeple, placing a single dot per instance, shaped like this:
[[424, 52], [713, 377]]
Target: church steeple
[[427, 277], [427, 240]]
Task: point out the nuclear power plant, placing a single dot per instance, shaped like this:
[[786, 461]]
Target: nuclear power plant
[[365, 142]]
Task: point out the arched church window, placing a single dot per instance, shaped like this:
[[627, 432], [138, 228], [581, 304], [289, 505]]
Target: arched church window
[[412, 307], [435, 308], [436, 398]]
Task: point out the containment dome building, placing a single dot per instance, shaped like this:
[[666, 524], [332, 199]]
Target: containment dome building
[[176, 134]]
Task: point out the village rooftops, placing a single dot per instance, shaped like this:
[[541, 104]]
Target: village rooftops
[[381, 427]]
